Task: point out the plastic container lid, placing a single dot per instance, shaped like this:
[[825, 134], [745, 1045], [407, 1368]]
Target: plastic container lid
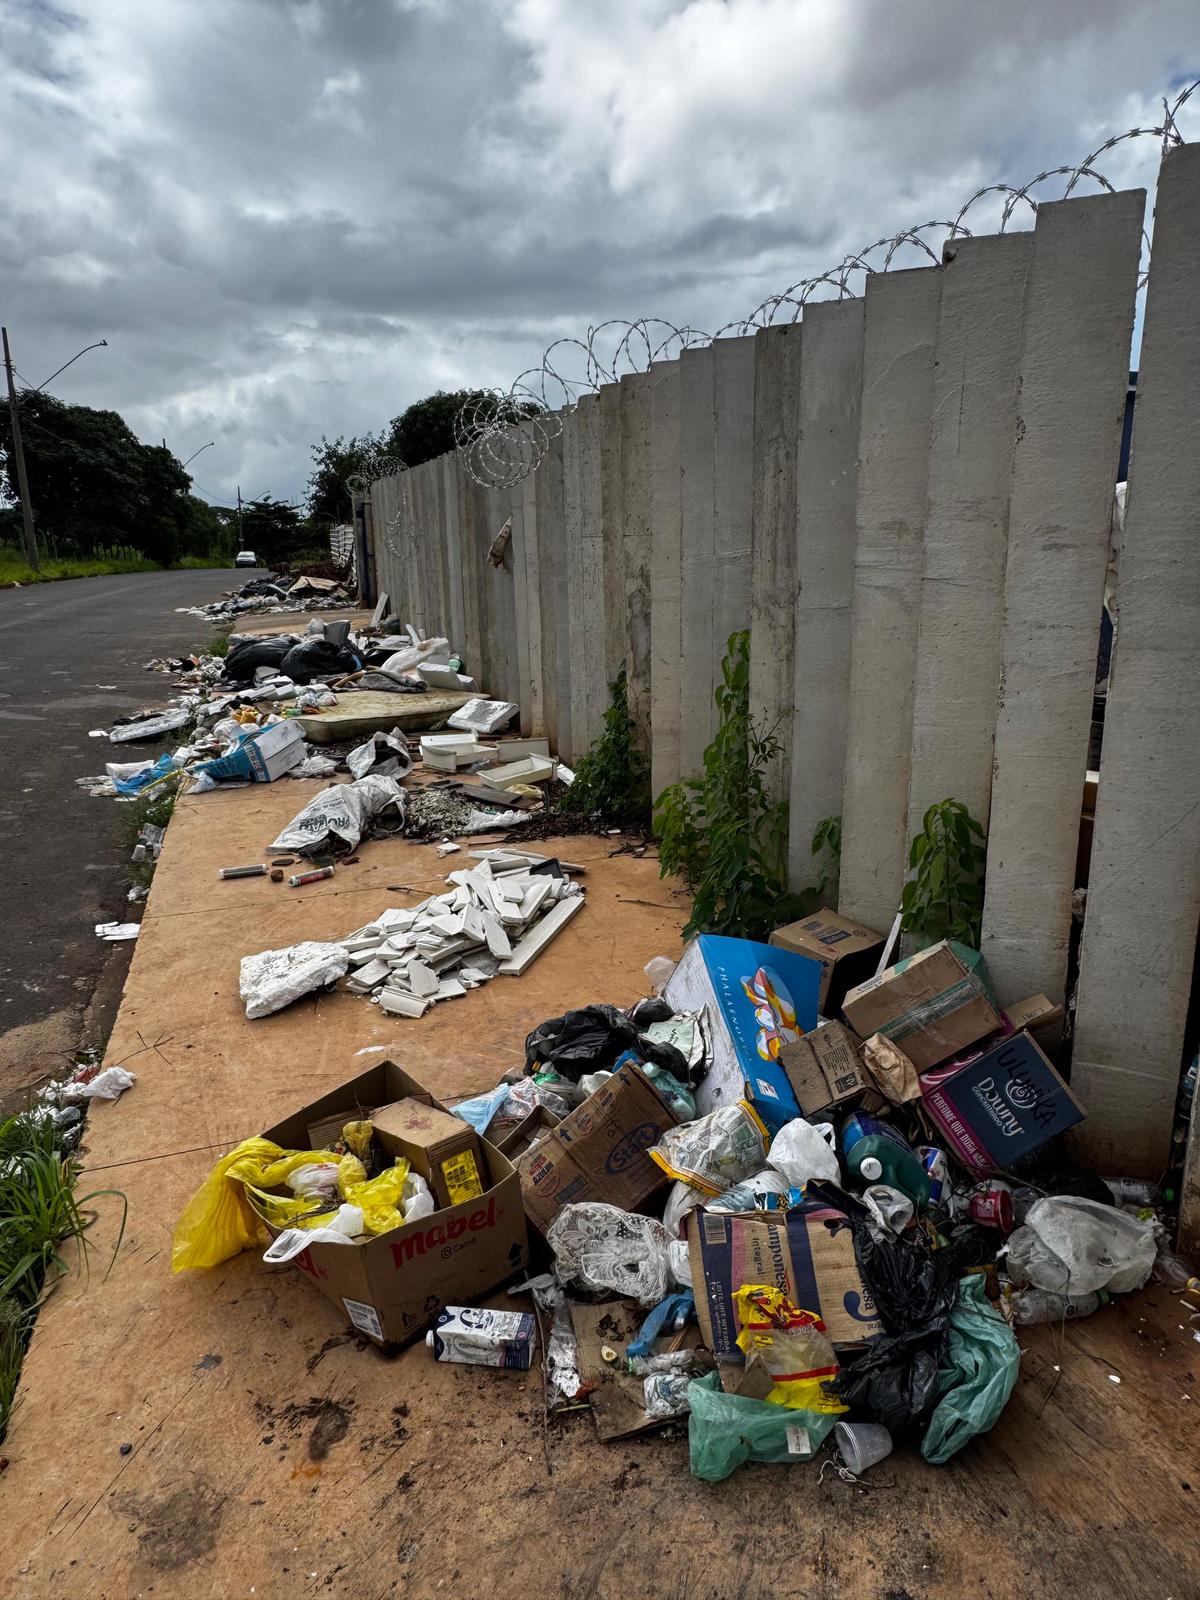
[[871, 1168]]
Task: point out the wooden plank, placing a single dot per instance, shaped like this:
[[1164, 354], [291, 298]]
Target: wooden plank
[[636, 514], [1074, 374], [823, 584], [733, 473], [696, 711], [966, 530], [666, 647], [1133, 994], [898, 343], [773, 539]]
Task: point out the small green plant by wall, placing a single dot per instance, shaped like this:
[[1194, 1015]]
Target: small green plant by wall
[[722, 832], [944, 897], [612, 781]]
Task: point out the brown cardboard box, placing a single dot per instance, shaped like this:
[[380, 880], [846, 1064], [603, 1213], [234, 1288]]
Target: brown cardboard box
[[393, 1284], [442, 1147], [530, 1130], [824, 1067], [598, 1152], [847, 951], [931, 1004]]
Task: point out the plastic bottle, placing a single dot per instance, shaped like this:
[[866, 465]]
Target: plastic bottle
[[1175, 1272], [1137, 1192], [1043, 1305], [482, 1338], [875, 1153]]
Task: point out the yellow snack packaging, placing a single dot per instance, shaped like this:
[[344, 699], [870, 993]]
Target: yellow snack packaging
[[793, 1346]]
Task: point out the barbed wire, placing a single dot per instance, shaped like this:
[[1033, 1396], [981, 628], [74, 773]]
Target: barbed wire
[[503, 435]]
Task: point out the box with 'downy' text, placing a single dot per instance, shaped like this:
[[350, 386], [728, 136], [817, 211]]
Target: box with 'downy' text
[[392, 1285]]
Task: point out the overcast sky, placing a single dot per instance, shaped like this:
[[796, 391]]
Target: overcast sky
[[294, 217]]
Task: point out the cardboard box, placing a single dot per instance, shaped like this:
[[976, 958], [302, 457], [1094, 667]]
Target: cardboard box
[[796, 1251], [262, 755], [825, 1068], [392, 1285], [1001, 1106], [442, 1147], [598, 1151], [848, 952], [528, 1131], [930, 1004], [755, 998]]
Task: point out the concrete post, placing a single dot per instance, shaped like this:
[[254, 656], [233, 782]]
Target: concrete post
[[1074, 373], [1133, 991], [899, 336], [696, 454], [666, 650], [636, 513], [590, 620], [826, 500], [533, 599], [451, 498], [733, 474]]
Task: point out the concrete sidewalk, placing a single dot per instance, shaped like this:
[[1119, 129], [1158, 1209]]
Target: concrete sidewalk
[[276, 1453]]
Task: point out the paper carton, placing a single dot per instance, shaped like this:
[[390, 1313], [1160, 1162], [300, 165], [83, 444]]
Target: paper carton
[[598, 1151], [442, 1148], [393, 1284], [261, 755], [1000, 1106], [755, 998], [530, 1130], [848, 952], [931, 1004], [797, 1251], [825, 1068]]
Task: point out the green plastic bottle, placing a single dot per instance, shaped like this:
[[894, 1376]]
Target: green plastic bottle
[[875, 1153]]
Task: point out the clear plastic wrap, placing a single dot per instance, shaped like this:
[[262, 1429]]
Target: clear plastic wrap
[[715, 1151], [1076, 1246]]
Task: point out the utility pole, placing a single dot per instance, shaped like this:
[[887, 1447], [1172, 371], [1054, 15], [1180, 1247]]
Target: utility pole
[[239, 490], [31, 550]]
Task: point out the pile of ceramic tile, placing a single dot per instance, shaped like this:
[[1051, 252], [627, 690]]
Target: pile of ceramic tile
[[497, 917]]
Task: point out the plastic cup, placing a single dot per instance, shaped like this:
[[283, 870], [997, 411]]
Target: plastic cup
[[862, 1444]]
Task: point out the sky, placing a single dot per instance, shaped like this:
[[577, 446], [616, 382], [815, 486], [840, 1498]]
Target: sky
[[292, 218]]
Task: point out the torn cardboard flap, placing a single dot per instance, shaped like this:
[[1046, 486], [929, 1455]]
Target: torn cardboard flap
[[824, 1067]]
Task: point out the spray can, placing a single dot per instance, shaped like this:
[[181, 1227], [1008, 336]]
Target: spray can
[[481, 1338], [315, 876], [875, 1153]]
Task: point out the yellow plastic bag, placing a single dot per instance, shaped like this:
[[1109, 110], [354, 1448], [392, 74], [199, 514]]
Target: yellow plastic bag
[[793, 1346], [380, 1198], [357, 1137], [351, 1175], [219, 1220]]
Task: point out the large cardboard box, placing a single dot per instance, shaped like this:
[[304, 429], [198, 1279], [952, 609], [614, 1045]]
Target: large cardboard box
[[930, 1004], [598, 1151], [442, 1147], [847, 951], [394, 1284], [1002, 1105], [825, 1067], [261, 755], [755, 998], [797, 1251]]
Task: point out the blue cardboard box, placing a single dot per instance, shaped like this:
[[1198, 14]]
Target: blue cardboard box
[[1001, 1106], [754, 998]]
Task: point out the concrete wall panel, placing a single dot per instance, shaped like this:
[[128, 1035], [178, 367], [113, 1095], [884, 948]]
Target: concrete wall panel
[[696, 458], [900, 332], [733, 493], [613, 529], [636, 513], [1074, 374], [665, 575], [823, 578], [1145, 867]]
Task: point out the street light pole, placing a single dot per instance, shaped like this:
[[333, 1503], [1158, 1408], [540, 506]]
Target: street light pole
[[195, 453], [31, 550]]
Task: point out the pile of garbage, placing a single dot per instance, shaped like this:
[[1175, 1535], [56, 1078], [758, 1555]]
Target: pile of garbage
[[788, 1198], [274, 595]]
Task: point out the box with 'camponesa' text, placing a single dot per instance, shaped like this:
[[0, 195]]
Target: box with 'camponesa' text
[[392, 1285]]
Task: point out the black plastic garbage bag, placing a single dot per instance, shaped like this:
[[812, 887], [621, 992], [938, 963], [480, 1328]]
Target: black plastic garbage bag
[[249, 654], [590, 1040], [893, 1378], [315, 657]]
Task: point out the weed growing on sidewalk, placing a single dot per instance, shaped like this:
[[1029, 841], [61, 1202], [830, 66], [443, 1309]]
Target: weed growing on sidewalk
[[39, 1211], [944, 898], [153, 806], [612, 781], [723, 832]]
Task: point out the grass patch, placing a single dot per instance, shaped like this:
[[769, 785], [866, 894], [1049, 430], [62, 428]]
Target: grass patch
[[15, 569], [197, 563], [39, 1212], [219, 646], [154, 806]]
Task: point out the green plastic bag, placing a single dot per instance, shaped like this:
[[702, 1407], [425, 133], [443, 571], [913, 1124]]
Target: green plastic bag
[[977, 1374], [726, 1429]]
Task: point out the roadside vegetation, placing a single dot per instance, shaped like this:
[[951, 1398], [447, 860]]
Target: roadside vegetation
[[15, 569]]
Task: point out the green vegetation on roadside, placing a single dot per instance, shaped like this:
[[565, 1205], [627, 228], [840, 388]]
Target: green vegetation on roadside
[[15, 569], [39, 1212], [612, 781]]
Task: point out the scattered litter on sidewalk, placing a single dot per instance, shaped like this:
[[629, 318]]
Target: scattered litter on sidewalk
[[117, 932]]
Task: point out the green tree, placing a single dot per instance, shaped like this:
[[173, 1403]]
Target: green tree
[[426, 429], [334, 461], [273, 530]]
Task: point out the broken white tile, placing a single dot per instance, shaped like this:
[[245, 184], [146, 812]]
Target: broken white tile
[[449, 989], [423, 979], [542, 933], [402, 1005]]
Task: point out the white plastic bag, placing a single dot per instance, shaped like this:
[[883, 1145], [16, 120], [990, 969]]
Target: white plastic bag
[[341, 812], [416, 1201], [344, 1226], [805, 1150], [1075, 1246], [891, 1210], [274, 978], [666, 1394], [601, 1247], [110, 1084], [682, 1199], [427, 650], [745, 1196]]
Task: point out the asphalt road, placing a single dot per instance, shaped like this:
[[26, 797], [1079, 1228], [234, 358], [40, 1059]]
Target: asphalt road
[[72, 657]]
